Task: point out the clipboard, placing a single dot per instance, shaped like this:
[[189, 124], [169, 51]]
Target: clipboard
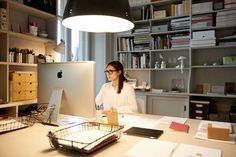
[[144, 132]]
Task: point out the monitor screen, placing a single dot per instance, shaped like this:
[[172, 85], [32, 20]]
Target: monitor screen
[[77, 79]]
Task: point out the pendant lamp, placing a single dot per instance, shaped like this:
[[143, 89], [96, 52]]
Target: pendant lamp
[[97, 15]]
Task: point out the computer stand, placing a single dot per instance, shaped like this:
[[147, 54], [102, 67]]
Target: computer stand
[[52, 112]]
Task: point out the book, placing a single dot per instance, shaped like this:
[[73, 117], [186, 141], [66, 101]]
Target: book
[[179, 127]]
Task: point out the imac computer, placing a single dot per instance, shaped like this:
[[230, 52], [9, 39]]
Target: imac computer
[[68, 88]]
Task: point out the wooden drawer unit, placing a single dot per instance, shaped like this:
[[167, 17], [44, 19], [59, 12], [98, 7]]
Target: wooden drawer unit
[[17, 77], [23, 86], [199, 109], [18, 96], [30, 77], [31, 94]]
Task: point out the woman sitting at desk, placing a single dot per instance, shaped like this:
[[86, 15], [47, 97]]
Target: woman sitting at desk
[[118, 93]]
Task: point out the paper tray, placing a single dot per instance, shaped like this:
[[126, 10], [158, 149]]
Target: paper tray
[[12, 124], [86, 137]]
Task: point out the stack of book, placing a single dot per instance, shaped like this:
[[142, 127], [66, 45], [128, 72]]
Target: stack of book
[[141, 42], [180, 9], [140, 60], [229, 4], [141, 30], [203, 38], [3, 19], [202, 21], [226, 18], [180, 40], [228, 41], [133, 3], [181, 23], [124, 58], [125, 44], [161, 42], [202, 7]]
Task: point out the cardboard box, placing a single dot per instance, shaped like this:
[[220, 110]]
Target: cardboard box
[[217, 133], [206, 88], [229, 60]]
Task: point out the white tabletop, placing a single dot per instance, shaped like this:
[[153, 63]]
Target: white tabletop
[[33, 142]]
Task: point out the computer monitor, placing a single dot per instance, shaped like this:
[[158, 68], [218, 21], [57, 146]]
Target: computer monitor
[[76, 79]]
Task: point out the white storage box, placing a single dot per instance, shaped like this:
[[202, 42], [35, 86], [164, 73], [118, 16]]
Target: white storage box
[[204, 34]]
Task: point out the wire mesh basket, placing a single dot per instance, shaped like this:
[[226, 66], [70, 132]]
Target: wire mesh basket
[[13, 123], [86, 137]]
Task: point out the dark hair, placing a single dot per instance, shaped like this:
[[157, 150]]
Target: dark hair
[[118, 67]]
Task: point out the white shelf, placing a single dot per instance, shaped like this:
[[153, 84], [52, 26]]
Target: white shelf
[[29, 10], [214, 66], [212, 47], [3, 63], [23, 64], [135, 51], [171, 32], [168, 18], [169, 69], [138, 69], [3, 32], [170, 50], [29, 37], [214, 27], [18, 103], [213, 95]]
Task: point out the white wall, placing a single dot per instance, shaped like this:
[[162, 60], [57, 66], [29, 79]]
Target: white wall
[[102, 52]]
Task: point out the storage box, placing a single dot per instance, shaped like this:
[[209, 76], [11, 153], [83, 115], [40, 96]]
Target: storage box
[[229, 60], [159, 14], [160, 28], [204, 34], [218, 89], [199, 109], [23, 86]]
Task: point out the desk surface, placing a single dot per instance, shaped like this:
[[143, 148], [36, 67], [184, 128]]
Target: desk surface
[[33, 142]]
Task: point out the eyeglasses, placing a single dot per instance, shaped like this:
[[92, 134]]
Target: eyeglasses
[[109, 71]]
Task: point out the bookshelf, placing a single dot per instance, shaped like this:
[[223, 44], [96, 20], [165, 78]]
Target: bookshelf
[[16, 17], [173, 33]]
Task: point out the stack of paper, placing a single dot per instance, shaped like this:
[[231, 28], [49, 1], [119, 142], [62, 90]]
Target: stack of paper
[[202, 130]]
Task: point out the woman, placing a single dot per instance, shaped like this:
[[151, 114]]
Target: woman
[[117, 93]]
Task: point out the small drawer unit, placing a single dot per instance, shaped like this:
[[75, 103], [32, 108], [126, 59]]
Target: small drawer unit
[[23, 86], [199, 109]]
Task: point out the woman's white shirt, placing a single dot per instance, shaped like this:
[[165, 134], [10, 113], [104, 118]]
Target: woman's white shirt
[[124, 102]]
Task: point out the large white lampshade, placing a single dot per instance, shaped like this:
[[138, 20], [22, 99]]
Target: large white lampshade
[[97, 15]]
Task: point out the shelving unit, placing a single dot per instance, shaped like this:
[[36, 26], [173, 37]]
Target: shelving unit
[[17, 36], [204, 64]]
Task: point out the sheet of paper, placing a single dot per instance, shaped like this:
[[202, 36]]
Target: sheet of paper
[[186, 150], [202, 130], [168, 120], [128, 119], [152, 148]]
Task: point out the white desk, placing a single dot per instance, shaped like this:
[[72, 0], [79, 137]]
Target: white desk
[[33, 142]]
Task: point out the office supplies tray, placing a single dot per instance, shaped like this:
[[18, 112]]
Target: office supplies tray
[[86, 137], [13, 123]]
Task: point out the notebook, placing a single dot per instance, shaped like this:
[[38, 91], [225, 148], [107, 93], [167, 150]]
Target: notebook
[[144, 132]]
